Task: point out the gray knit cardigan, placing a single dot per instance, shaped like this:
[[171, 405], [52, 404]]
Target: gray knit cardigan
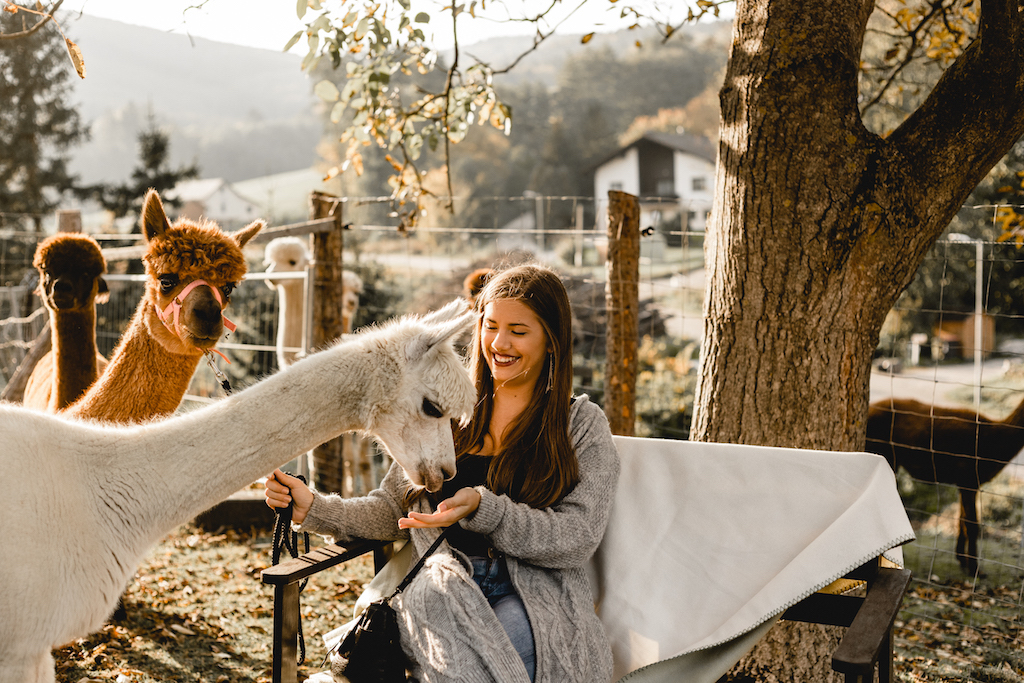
[[448, 629]]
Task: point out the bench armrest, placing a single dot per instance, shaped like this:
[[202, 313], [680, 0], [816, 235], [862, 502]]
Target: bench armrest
[[871, 630], [317, 560]]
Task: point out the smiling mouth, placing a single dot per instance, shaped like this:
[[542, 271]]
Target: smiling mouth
[[504, 361]]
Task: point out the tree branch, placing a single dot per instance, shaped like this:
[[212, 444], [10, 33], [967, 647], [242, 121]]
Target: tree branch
[[976, 110], [38, 25]]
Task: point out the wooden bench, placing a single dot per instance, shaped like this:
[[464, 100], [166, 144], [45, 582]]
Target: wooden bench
[[867, 643]]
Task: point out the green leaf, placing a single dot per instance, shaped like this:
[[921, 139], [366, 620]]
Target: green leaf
[[327, 91], [300, 8], [337, 112], [405, 4], [315, 4], [422, 18], [294, 39], [362, 28]]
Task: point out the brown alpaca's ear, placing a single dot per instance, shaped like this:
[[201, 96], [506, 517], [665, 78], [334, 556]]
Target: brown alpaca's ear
[[154, 219], [248, 232], [102, 291]]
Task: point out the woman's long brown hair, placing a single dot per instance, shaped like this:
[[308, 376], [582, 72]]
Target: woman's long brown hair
[[537, 462]]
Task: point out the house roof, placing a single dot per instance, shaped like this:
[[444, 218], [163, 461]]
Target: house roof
[[696, 145], [196, 190]]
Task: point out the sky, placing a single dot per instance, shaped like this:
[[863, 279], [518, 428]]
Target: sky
[[270, 23]]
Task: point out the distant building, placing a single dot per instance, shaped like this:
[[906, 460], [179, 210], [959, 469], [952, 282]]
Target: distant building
[[214, 199], [284, 197], [671, 173]]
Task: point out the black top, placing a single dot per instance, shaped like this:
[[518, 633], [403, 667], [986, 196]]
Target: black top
[[472, 471]]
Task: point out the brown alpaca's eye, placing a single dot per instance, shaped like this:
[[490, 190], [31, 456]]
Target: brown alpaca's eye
[[227, 289], [168, 283], [293, 262]]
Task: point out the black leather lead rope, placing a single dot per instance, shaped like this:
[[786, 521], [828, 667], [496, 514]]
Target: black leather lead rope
[[285, 538]]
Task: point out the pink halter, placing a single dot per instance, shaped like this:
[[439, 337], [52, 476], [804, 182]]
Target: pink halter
[[169, 316]]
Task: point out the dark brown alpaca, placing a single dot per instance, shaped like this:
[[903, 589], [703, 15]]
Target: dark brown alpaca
[[947, 446], [70, 284]]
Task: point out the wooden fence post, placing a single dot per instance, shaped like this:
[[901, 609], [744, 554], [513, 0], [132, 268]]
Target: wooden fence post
[[622, 293], [328, 460]]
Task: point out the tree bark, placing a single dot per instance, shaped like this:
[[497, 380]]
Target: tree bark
[[819, 224]]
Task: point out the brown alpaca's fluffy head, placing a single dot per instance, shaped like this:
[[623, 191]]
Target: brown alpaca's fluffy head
[[474, 282], [186, 251], [70, 266]]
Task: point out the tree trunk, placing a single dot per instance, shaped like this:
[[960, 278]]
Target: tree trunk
[[818, 226]]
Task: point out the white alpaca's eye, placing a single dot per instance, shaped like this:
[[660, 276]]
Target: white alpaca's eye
[[431, 409]]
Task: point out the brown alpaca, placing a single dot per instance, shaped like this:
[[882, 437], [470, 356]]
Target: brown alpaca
[[475, 282], [153, 363], [70, 269], [947, 446]]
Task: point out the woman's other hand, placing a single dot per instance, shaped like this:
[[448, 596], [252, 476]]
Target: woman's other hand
[[461, 505], [282, 489]]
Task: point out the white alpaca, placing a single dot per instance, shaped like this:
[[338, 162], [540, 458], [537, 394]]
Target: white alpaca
[[84, 502], [287, 255], [290, 255]]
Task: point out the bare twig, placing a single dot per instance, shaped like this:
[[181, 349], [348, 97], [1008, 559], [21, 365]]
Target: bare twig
[[45, 17]]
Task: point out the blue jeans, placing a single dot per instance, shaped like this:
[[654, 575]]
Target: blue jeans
[[492, 577]]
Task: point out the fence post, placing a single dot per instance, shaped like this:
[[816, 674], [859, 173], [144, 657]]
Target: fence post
[[328, 463], [69, 221], [622, 293]]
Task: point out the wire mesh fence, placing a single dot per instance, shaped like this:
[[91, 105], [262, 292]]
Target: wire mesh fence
[[955, 619]]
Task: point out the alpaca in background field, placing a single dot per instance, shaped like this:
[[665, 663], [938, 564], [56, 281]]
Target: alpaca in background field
[[71, 268], [102, 495], [947, 446], [192, 269]]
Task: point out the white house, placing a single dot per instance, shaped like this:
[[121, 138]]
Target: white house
[[215, 199], [671, 173]]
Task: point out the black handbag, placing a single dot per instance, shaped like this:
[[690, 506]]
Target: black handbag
[[372, 647]]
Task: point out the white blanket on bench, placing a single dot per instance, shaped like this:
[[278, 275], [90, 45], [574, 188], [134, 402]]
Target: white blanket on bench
[[709, 542]]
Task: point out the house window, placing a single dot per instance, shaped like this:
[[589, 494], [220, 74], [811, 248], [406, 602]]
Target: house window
[[665, 187], [615, 186], [700, 183], [691, 217]]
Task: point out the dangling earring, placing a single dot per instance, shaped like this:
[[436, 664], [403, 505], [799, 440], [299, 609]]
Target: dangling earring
[[551, 369]]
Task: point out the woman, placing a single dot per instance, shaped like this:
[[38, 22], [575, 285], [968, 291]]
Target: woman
[[537, 471]]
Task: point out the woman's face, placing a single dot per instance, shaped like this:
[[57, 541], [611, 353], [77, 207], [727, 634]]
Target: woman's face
[[513, 343]]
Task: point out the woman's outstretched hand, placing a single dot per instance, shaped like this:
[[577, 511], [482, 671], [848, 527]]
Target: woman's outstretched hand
[[282, 489], [462, 504]]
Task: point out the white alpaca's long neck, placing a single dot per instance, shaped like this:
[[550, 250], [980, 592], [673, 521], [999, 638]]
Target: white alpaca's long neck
[[290, 317], [184, 466]]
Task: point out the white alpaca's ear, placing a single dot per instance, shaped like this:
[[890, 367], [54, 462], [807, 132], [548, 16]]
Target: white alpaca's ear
[[450, 310], [437, 334]]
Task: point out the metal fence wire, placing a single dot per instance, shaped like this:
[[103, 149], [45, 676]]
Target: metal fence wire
[[968, 622]]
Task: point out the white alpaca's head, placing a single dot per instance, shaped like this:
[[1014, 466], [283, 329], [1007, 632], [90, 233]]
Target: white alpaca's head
[[351, 288], [285, 255], [427, 384]]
